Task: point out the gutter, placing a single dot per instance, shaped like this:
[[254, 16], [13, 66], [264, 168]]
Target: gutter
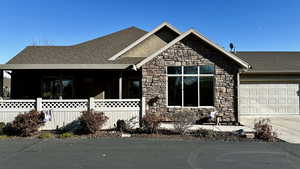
[[63, 66], [272, 72]]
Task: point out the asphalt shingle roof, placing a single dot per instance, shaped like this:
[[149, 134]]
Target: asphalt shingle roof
[[96, 51], [272, 61]]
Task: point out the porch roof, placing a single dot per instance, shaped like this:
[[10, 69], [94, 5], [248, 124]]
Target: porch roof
[[63, 66]]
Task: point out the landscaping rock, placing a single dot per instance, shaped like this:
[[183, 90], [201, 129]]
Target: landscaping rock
[[239, 132], [249, 135], [124, 135]]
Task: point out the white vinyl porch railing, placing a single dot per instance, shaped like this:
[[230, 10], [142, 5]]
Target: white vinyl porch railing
[[66, 111]]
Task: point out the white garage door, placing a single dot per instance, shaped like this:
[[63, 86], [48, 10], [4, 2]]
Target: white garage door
[[269, 98]]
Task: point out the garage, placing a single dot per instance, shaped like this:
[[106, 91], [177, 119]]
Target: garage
[[271, 85], [268, 98]]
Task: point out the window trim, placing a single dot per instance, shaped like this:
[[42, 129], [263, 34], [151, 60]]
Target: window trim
[[182, 75]]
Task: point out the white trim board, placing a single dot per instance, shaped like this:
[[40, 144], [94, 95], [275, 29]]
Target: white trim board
[[143, 38], [192, 31]]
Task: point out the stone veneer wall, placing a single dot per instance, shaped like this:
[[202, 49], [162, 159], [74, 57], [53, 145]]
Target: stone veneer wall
[[191, 52]]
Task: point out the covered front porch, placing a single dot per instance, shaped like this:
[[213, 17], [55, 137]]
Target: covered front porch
[[71, 83], [67, 90]]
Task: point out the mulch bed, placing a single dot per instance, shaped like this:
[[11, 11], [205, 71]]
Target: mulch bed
[[219, 136], [163, 134]]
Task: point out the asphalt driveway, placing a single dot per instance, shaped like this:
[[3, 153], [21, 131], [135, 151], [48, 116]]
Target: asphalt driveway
[[287, 127], [145, 153]]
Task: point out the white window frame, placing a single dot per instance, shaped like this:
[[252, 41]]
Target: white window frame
[[182, 75]]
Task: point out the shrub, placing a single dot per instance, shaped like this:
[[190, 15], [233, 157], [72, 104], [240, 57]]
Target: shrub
[[46, 135], [150, 122], [264, 130], [26, 124], [66, 135], [121, 125], [183, 121], [131, 123], [127, 125], [9, 130], [91, 121], [2, 126], [204, 133]]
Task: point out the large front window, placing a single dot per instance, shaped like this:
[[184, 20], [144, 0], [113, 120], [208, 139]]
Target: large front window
[[54, 88], [190, 86]]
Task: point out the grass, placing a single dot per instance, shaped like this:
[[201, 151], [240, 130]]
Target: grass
[[46, 135], [3, 137], [66, 135]]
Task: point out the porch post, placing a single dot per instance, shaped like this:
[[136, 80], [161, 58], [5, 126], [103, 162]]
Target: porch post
[[91, 103], [1, 84], [39, 104], [120, 85]]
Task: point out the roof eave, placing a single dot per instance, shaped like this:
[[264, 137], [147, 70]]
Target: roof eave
[[271, 72], [64, 66]]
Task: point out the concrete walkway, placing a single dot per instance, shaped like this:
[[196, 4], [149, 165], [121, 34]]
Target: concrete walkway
[[223, 128], [287, 127]]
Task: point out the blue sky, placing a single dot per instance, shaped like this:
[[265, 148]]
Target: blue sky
[[251, 25]]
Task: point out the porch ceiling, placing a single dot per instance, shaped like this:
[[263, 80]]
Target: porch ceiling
[[62, 66]]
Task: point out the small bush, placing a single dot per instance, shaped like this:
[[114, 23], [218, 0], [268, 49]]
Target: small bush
[[9, 130], [66, 135], [26, 124], [91, 121], [264, 130], [127, 125], [204, 133], [121, 125], [46, 135], [131, 123], [183, 121], [2, 126], [150, 123]]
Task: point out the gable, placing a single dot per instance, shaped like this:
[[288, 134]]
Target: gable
[[152, 44], [200, 37], [192, 51]]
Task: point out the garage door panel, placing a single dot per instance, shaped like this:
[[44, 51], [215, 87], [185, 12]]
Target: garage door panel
[[269, 98], [263, 100], [292, 101], [244, 101], [272, 100]]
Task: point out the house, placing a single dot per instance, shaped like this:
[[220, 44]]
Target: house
[[174, 71]]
